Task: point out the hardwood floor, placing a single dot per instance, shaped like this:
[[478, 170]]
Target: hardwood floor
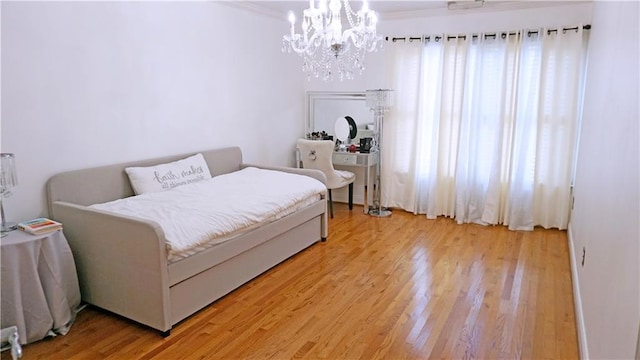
[[379, 288]]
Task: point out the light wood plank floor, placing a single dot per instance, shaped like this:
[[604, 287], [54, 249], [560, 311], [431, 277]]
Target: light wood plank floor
[[379, 288]]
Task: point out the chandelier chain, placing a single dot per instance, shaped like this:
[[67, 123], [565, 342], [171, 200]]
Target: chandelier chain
[[350, 13]]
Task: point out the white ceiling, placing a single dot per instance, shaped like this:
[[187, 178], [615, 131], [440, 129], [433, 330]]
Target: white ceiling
[[400, 8], [378, 6]]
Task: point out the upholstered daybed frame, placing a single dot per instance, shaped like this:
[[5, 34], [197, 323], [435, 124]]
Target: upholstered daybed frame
[[122, 261]]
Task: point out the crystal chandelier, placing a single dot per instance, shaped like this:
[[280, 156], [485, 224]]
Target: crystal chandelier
[[324, 47]]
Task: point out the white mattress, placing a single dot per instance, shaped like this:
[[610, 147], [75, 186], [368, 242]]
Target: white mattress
[[199, 215]]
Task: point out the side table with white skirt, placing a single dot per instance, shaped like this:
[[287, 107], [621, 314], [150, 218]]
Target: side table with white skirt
[[40, 293]]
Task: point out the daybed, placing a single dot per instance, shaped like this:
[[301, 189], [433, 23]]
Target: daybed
[[122, 260]]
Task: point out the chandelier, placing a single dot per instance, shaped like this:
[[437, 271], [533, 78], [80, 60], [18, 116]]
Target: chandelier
[[324, 47]]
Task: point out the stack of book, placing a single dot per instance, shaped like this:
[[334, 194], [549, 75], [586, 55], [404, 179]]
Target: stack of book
[[39, 226]]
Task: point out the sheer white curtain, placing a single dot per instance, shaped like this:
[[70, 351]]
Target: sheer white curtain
[[484, 127]]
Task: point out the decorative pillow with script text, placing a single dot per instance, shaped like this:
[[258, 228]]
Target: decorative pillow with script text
[[167, 176]]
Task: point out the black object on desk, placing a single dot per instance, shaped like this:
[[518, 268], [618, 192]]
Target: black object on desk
[[365, 145]]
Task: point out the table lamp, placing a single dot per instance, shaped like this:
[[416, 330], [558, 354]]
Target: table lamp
[[8, 179]]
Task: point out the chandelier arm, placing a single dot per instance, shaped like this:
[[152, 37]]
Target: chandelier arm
[[301, 46], [349, 35], [374, 44], [369, 42]]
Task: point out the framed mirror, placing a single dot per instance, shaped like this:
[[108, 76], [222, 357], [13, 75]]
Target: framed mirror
[[323, 108]]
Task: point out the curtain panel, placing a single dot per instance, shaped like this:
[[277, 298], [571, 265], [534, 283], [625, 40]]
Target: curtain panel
[[484, 128]]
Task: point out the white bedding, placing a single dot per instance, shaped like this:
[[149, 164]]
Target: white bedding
[[206, 213]]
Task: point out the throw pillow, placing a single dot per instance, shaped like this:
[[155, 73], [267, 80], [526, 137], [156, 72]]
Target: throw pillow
[[167, 176]]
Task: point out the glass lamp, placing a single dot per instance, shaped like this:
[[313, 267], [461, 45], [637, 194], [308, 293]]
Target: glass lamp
[[379, 101], [8, 179]]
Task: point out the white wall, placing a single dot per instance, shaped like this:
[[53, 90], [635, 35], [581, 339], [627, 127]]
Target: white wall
[[93, 83], [606, 217]]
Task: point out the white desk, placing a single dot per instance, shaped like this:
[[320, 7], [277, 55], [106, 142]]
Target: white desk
[[352, 162], [40, 292]]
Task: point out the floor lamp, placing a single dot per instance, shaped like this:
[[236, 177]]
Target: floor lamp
[[379, 101]]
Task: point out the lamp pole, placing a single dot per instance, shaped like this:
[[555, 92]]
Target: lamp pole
[[379, 101]]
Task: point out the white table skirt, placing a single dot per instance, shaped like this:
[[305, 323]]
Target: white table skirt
[[40, 292]]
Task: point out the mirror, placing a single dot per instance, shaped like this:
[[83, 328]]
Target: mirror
[[341, 129], [345, 129], [323, 108]]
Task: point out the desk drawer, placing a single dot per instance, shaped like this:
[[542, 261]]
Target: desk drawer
[[345, 159]]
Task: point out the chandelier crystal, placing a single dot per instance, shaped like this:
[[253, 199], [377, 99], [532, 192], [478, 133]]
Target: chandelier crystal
[[324, 47]]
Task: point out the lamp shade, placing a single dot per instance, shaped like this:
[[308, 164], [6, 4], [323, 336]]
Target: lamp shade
[[379, 98], [8, 175]]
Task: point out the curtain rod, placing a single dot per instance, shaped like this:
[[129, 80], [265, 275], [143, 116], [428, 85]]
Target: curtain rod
[[488, 35]]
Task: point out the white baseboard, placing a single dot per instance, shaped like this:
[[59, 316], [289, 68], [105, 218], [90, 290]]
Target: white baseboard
[[577, 300]]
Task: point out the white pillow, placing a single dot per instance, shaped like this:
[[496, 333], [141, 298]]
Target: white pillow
[[167, 176]]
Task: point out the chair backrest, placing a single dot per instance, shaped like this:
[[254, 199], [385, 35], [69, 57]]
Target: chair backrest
[[316, 154]]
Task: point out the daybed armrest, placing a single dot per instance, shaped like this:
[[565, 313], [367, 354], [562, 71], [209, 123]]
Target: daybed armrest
[[316, 174], [121, 262]]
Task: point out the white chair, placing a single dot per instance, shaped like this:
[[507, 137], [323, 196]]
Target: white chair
[[317, 154]]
